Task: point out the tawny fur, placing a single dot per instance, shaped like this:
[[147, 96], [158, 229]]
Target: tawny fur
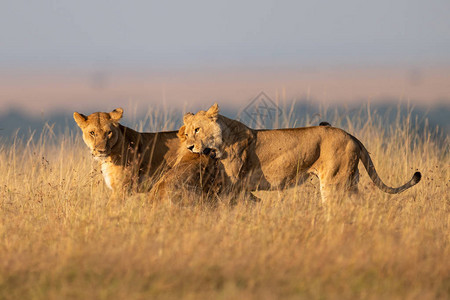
[[195, 178], [129, 159], [274, 159]]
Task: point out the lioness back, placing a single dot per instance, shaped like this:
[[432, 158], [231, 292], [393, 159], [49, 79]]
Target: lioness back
[[284, 155]]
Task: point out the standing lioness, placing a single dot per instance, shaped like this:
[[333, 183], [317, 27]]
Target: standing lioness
[[128, 158], [273, 159]]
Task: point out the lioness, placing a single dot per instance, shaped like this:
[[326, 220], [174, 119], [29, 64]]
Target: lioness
[[194, 178], [128, 158], [273, 159]]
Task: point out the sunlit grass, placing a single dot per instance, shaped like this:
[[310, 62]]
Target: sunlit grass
[[62, 237]]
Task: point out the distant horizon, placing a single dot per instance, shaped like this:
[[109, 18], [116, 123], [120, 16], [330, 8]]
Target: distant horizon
[[85, 89], [423, 120]]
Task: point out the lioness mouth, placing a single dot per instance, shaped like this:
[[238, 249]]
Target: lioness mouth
[[210, 152]]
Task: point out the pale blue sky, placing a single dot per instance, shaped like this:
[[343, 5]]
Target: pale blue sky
[[186, 33]]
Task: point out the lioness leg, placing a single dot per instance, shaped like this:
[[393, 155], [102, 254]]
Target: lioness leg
[[339, 177]]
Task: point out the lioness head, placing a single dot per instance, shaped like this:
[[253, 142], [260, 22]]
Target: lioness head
[[201, 133], [100, 131]]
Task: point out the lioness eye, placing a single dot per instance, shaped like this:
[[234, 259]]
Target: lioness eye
[[92, 133], [197, 129], [109, 132]]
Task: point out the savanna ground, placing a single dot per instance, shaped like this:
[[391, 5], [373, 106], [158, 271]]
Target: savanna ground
[[61, 237]]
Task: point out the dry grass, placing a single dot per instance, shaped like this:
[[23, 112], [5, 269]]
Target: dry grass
[[61, 237]]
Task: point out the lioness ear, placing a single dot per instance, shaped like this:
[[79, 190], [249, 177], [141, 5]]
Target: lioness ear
[[187, 116], [181, 133], [116, 114], [80, 119], [213, 111]]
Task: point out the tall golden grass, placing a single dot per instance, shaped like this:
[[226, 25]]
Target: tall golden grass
[[61, 237]]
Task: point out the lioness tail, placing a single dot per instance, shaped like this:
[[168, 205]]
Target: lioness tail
[[368, 164]]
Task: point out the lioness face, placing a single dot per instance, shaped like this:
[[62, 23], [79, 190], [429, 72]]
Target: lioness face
[[201, 133], [100, 131]]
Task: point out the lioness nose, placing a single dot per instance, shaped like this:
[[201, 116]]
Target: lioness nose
[[191, 147]]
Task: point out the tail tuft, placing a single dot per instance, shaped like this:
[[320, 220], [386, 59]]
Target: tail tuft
[[416, 178]]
